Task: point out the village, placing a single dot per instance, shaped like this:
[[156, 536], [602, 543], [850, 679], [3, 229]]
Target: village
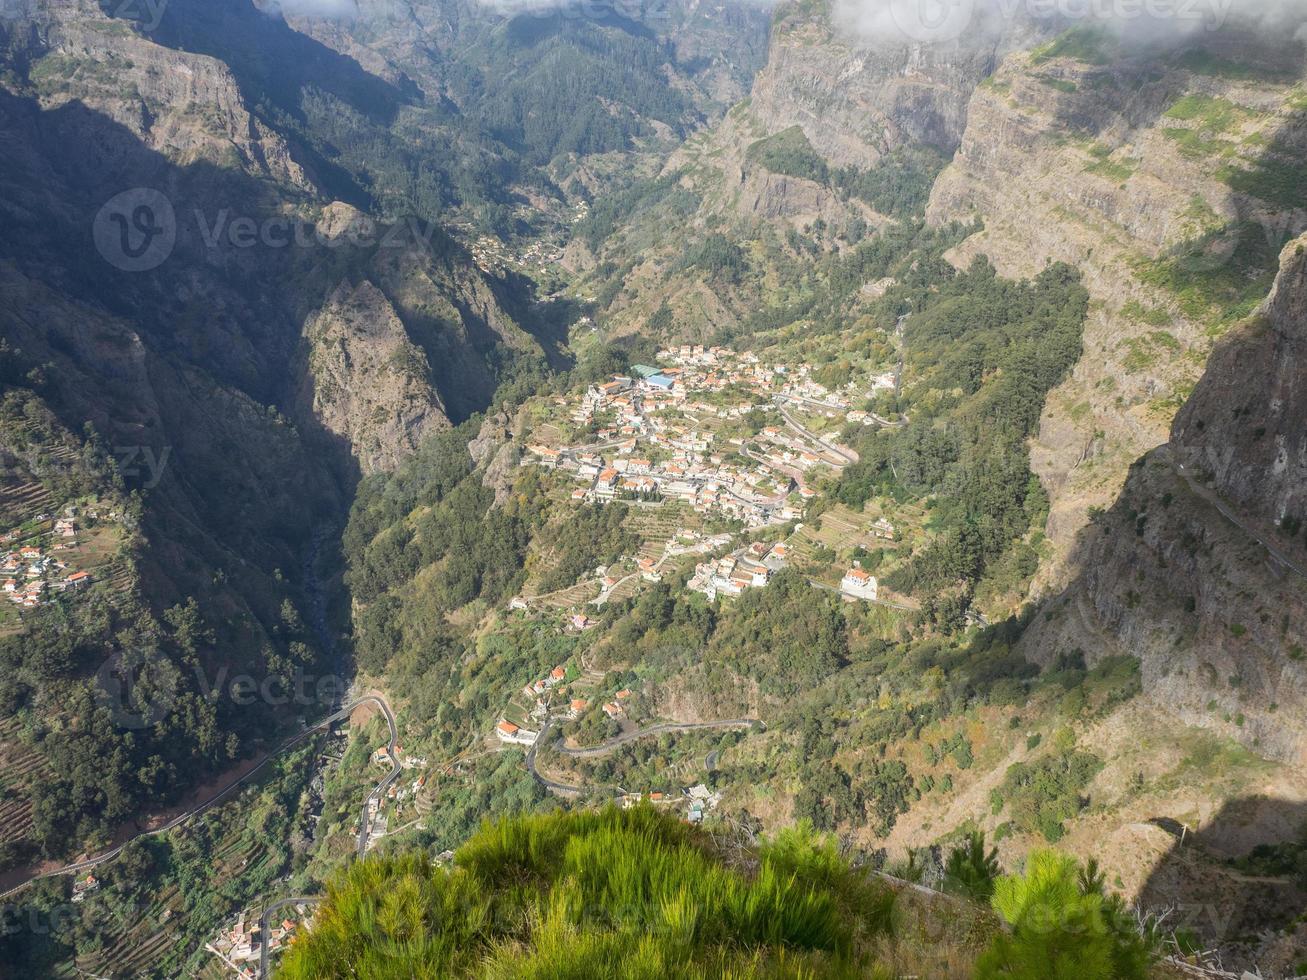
[[239, 943], [696, 431], [39, 563], [691, 431]]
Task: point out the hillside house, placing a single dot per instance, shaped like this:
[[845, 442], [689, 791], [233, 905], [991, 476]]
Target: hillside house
[[508, 732], [860, 584]]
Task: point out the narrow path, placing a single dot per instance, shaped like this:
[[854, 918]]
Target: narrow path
[[604, 748], [1212, 498]]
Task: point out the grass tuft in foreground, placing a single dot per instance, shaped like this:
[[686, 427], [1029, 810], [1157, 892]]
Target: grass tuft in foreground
[[615, 893]]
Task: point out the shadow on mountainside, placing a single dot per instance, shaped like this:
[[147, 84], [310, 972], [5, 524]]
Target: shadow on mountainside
[[1239, 876]]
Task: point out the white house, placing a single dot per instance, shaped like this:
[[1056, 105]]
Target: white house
[[860, 584], [508, 732]]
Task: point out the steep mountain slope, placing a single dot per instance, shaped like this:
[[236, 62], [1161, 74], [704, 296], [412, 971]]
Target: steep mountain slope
[[1199, 569], [221, 258], [1164, 175]]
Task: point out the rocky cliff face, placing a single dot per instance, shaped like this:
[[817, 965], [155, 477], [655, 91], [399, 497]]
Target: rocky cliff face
[[1245, 427], [1146, 170], [1199, 569], [854, 102], [184, 105], [857, 101], [366, 382]]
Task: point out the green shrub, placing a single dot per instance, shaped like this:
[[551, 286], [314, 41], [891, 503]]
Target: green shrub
[[1063, 927], [615, 893], [970, 870]]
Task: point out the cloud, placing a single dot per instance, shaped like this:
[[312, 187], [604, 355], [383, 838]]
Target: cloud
[[329, 9], [941, 21]]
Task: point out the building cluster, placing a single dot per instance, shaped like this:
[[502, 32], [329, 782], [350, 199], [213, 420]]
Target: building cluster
[[697, 800], [653, 444], [747, 568], [84, 886], [31, 575], [537, 692], [239, 944]]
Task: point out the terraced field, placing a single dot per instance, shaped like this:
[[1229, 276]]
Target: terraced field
[[21, 767], [22, 501]]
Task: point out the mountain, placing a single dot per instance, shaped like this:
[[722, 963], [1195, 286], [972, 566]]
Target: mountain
[[554, 375], [221, 258]]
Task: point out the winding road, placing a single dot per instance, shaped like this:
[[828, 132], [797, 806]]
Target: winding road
[[364, 819], [562, 789], [604, 748], [848, 455], [227, 790], [596, 751]]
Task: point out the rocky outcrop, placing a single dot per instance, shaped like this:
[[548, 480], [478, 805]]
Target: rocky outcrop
[[1245, 428], [1199, 569], [857, 101], [1126, 164], [186, 106], [366, 381]]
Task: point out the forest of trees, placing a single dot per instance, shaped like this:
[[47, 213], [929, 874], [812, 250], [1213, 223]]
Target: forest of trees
[[897, 185], [983, 353]]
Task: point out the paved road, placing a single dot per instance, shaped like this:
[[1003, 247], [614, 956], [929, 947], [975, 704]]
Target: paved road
[[562, 789], [1212, 498], [267, 915], [208, 804], [604, 748], [396, 769], [848, 455]]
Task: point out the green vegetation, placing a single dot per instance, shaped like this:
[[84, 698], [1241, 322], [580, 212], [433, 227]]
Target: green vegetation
[[1207, 112], [1064, 927], [789, 153], [1200, 61], [971, 870], [1082, 43], [613, 893], [986, 351], [1276, 181], [1045, 793], [898, 184], [1220, 276]]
